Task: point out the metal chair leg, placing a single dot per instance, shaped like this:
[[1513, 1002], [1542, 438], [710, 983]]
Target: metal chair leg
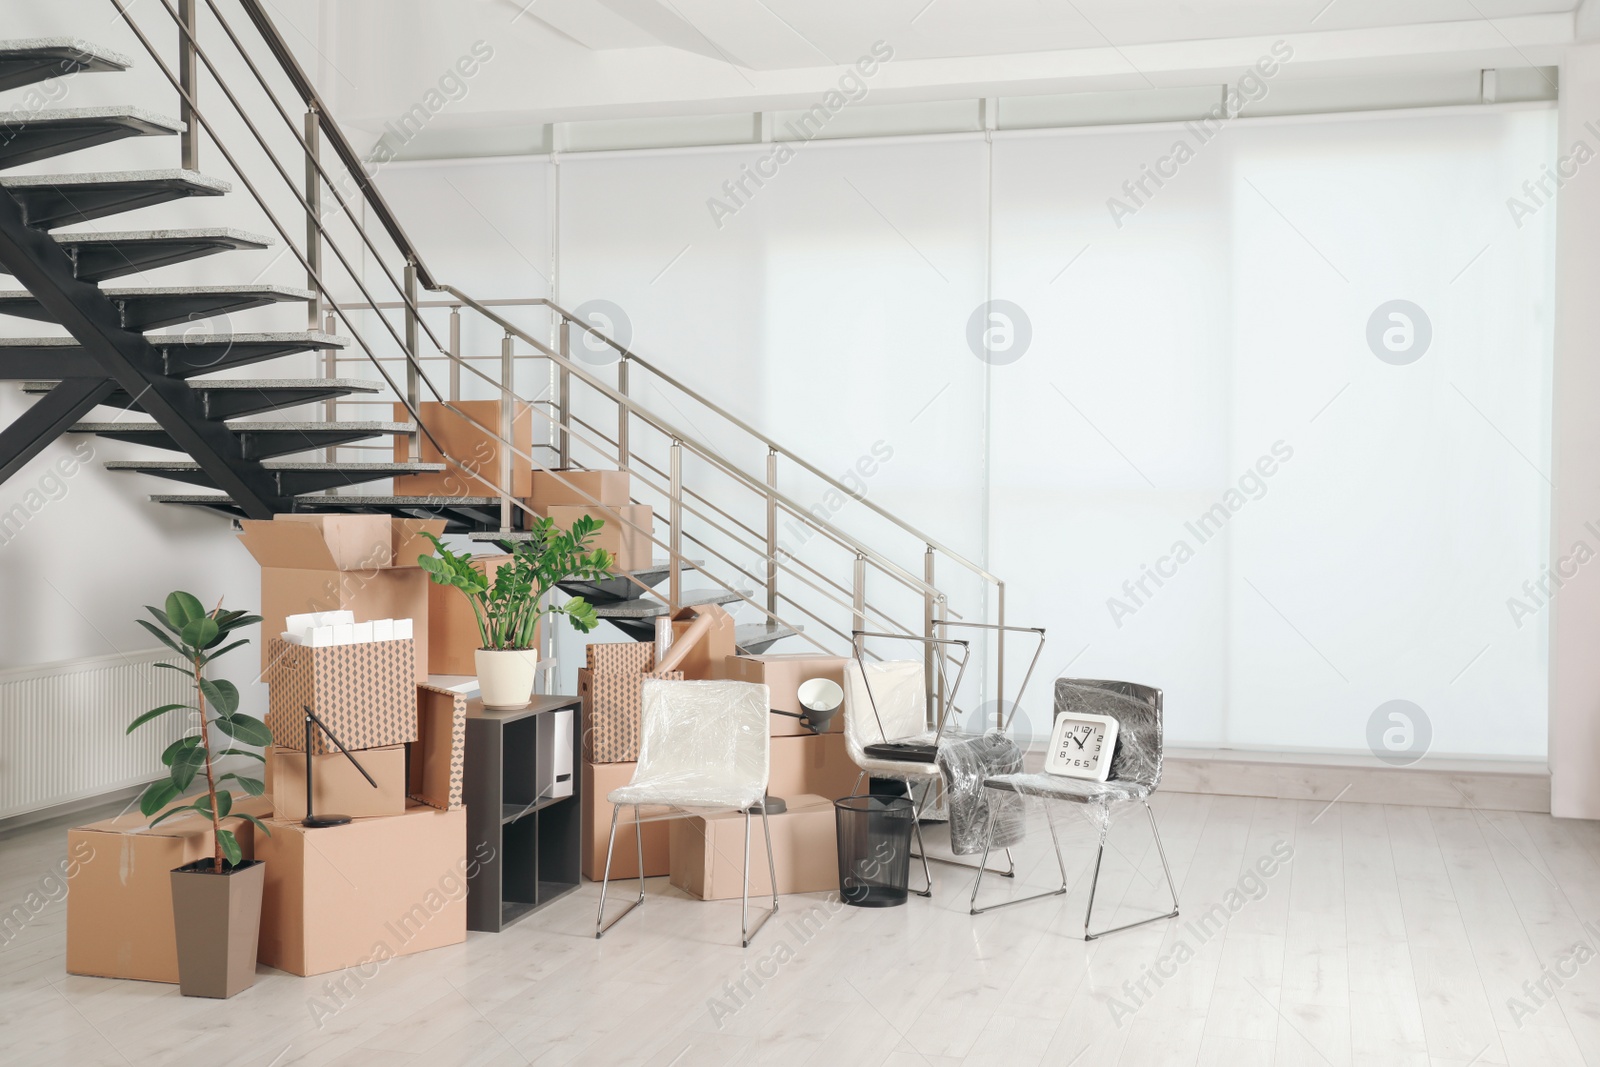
[[1011, 861], [745, 933], [1173, 914], [922, 850], [972, 905], [600, 925]]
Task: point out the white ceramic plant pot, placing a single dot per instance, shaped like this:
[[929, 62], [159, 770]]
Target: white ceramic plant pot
[[505, 676]]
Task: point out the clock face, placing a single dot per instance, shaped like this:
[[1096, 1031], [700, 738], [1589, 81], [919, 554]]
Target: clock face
[[1081, 746]]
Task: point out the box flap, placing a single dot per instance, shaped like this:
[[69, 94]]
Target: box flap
[[356, 542], [295, 545], [407, 542], [188, 823]]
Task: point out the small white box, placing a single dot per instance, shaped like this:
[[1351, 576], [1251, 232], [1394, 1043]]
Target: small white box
[[344, 633], [383, 629], [402, 629], [320, 636], [362, 633]]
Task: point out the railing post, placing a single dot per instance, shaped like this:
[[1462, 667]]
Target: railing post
[[564, 397], [330, 407], [188, 78], [930, 653], [772, 531], [507, 399], [455, 354], [624, 454], [313, 216], [859, 585], [1000, 656], [675, 522], [413, 380]]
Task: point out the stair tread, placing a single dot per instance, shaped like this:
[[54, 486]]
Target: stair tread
[[77, 46], [758, 636], [143, 426], [190, 234], [377, 501], [116, 177], [121, 292], [316, 337], [347, 385], [641, 608], [51, 116], [275, 465]]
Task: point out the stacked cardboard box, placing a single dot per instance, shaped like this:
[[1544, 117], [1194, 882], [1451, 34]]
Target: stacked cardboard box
[[783, 675], [469, 431], [568, 495]]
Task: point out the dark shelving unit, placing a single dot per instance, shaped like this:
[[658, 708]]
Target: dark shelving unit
[[527, 842]]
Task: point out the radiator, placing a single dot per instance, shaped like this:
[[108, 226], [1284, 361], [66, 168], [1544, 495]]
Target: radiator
[[62, 728]]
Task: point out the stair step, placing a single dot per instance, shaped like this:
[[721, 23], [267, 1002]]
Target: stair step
[[229, 398], [29, 136], [754, 638], [36, 60], [146, 308], [51, 200], [260, 440], [293, 477], [642, 608], [24, 358], [461, 514], [624, 585], [100, 257]]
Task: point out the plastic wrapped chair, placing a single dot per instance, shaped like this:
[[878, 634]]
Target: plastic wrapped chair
[[1135, 774], [703, 746]]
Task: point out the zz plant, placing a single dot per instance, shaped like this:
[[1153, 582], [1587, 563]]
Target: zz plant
[[194, 634], [508, 608]]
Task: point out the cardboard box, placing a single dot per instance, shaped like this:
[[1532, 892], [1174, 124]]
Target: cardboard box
[[119, 899], [453, 638], [611, 712], [365, 564], [363, 693], [599, 779], [357, 894], [708, 852], [437, 759], [477, 449], [634, 656], [626, 533], [583, 489], [337, 788], [783, 675], [815, 764], [706, 661]]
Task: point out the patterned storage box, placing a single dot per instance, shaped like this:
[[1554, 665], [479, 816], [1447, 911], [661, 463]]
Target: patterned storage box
[[634, 657], [611, 712], [365, 693], [438, 758]]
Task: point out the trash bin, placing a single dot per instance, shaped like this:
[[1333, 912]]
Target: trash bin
[[874, 850]]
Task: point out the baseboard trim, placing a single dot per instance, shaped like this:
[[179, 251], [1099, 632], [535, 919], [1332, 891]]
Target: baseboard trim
[[1484, 784]]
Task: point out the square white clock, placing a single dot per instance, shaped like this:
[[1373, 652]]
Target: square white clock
[[1081, 746]]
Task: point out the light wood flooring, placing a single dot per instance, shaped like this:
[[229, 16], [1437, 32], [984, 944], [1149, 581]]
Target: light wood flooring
[[1394, 935]]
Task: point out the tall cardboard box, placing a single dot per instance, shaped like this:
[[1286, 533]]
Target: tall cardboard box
[[626, 533], [706, 660], [583, 489], [783, 675], [471, 435], [816, 764], [453, 639], [119, 898], [337, 787], [599, 779], [365, 564], [357, 894], [708, 852]]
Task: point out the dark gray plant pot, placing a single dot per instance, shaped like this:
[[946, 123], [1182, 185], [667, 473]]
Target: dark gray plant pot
[[218, 917]]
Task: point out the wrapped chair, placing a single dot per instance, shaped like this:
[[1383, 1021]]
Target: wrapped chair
[[1135, 774], [703, 746]]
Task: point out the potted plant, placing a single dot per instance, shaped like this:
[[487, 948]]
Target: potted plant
[[508, 608], [216, 902]]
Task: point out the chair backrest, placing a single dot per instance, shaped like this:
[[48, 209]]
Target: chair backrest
[[706, 742], [1137, 709], [900, 695]]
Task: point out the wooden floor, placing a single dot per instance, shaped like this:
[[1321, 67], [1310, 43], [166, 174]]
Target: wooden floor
[[1392, 935]]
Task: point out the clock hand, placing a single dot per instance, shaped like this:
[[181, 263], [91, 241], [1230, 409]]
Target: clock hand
[[1080, 743]]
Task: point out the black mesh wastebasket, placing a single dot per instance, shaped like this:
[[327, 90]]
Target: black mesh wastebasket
[[874, 850]]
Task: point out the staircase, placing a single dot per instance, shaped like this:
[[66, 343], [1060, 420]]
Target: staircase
[[244, 446]]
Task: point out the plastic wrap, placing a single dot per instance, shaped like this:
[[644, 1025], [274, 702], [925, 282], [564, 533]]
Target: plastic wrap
[[966, 764], [1135, 763], [885, 702], [702, 745]]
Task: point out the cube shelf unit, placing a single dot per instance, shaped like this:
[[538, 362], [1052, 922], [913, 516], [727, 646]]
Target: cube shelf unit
[[525, 841]]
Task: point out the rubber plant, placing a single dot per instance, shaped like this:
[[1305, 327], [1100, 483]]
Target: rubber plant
[[195, 635], [507, 609]]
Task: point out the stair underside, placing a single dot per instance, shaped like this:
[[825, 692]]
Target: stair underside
[[39, 59], [51, 200], [145, 308], [24, 358], [461, 514], [99, 257], [228, 398], [30, 136], [260, 440], [291, 477]]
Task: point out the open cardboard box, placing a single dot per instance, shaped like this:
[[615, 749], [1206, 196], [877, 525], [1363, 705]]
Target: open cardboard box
[[365, 564], [119, 899]]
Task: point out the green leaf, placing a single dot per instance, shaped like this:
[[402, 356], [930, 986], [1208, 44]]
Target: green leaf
[[178, 746], [208, 658], [223, 694], [161, 617], [254, 786], [153, 713], [241, 752], [258, 823], [157, 796], [202, 804], [162, 637], [245, 730], [186, 764], [231, 852], [186, 671], [201, 632], [182, 609], [164, 816]]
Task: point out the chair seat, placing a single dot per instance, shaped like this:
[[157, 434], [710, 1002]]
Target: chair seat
[[1059, 787], [696, 795], [891, 768]]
